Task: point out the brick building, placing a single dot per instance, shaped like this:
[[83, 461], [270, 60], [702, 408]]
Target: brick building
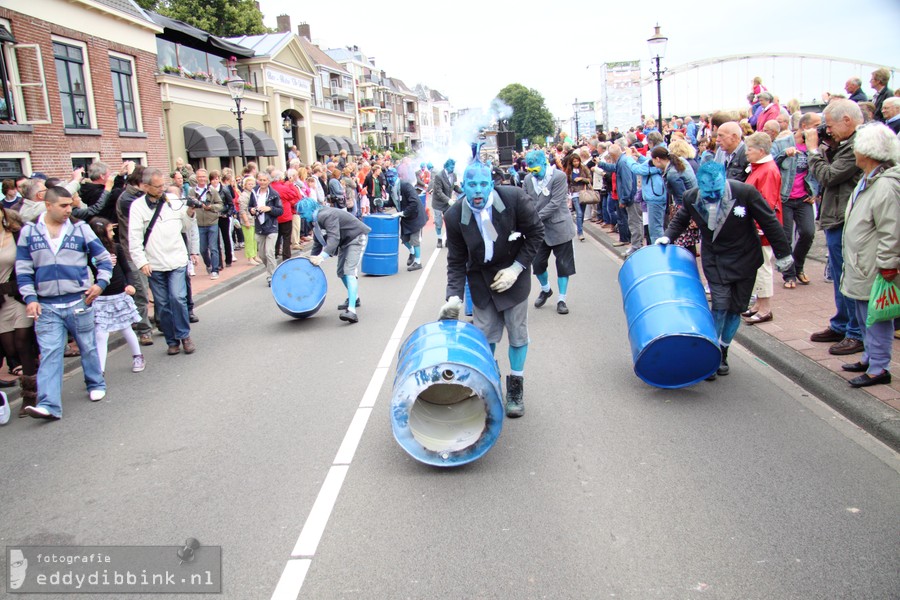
[[78, 85]]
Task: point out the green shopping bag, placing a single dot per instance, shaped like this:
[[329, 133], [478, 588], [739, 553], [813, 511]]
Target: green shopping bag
[[884, 301]]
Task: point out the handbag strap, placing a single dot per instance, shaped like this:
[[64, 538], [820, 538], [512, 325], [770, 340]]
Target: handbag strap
[[153, 219]]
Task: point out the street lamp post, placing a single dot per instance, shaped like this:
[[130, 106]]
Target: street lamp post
[[575, 106], [657, 45], [236, 88]]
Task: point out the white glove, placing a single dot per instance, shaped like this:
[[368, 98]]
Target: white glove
[[662, 241], [451, 309], [784, 263], [317, 259], [505, 278]]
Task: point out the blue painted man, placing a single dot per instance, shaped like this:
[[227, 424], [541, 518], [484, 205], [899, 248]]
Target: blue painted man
[[546, 186], [443, 186], [727, 213], [338, 233], [492, 238]]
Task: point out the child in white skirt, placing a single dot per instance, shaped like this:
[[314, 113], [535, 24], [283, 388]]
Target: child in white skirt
[[114, 310]]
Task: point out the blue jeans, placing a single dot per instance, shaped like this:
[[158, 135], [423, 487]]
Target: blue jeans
[[609, 209], [579, 215], [170, 299], [622, 220], [209, 247], [844, 320], [51, 329], [656, 215]]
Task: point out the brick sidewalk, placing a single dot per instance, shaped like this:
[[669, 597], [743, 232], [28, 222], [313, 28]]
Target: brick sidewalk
[[800, 312]]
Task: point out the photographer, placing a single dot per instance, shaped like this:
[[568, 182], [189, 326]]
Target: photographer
[[155, 225], [837, 174], [209, 203]]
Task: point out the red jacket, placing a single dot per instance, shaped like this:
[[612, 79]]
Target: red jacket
[[766, 178], [289, 198], [770, 113]]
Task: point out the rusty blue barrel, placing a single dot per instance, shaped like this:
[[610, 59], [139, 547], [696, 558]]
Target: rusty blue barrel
[[380, 256], [299, 287], [670, 327], [447, 405]]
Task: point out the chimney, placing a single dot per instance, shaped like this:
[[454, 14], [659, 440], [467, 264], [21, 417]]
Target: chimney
[[303, 31], [283, 23]]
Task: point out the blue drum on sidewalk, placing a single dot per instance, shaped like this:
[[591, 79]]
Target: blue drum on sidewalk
[[299, 287], [422, 198], [380, 256], [670, 327], [447, 405]]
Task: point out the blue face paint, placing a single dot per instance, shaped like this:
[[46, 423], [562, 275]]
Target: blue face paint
[[711, 181], [449, 165], [477, 185], [308, 209], [536, 162]]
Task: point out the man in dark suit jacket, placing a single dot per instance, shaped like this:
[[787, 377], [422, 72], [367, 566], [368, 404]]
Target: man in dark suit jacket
[[727, 214], [492, 239], [732, 153]]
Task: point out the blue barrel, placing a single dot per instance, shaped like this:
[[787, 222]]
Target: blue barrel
[[447, 407], [299, 287], [670, 327], [380, 256], [422, 198]]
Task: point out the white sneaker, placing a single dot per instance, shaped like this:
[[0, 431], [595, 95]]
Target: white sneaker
[[4, 409], [137, 363], [214, 275], [97, 395]]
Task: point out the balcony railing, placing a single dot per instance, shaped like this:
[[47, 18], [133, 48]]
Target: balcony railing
[[411, 117], [367, 103], [369, 127], [411, 128], [339, 92]]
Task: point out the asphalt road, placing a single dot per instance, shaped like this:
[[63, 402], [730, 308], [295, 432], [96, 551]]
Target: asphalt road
[[741, 488]]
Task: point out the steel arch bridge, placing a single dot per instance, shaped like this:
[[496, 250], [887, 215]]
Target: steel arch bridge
[[723, 82]]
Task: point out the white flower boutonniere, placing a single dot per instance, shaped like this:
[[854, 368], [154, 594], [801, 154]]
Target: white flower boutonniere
[[514, 236], [740, 211]]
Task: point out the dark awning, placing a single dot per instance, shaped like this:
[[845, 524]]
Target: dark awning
[[178, 31], [265, 145], [355, 150], [230, 134], [341, 142], [202, 141], [326, 145], [6, 36]]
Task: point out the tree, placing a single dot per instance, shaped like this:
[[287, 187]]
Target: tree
[[530, 118], [224, 18]]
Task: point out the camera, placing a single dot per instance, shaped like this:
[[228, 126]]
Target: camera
[[193, 203], [822, 131]]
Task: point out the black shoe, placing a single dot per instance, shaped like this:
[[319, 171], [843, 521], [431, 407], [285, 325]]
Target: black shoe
[[711, 377], [856, 367], [515, 396], [561, 307], [193, 318], [350, 317], [542, 298], [723, 368], [343, 305], [865, 380], [410, 260], [414, 267], [440, 243]]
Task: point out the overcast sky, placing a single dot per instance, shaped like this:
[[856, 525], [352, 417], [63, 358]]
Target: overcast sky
[[470, 50]]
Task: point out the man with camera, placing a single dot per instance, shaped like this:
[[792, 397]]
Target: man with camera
[[209, 203], [155, 225], [834, 167]]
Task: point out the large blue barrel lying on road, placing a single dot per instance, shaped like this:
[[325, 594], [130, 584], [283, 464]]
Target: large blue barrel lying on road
[[447, 406], [380, 256], [299, 287], [670, 327]]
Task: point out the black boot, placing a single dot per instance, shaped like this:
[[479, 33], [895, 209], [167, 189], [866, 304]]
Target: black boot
[[515, 392], [440, 243], [723, 368], [410, 260]]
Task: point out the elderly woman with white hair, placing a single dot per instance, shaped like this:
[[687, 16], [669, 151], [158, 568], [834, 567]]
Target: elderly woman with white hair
[[872, 244]]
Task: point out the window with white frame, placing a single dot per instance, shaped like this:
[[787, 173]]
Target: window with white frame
[[70, 59], [24, 96], [121, 69], [82, 160], [14, 165], [138, 158]]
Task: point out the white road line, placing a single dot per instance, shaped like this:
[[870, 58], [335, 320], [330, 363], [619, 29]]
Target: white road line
[[291, 581]]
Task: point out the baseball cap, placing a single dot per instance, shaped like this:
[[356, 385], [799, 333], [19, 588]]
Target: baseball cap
[[38, 175]]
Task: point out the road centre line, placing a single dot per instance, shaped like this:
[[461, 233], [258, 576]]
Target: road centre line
[[291, 581]]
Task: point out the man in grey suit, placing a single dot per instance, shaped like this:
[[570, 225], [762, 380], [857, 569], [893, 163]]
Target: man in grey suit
[[547, 188], [444, 185], [732, 153]]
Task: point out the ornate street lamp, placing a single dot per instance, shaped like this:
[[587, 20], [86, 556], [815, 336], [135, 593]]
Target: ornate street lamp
[[657, 45], [236, 88]]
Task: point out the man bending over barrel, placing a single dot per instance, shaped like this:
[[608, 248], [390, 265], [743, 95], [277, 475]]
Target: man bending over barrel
[[492, 237], [337, 233], [730, 214]]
